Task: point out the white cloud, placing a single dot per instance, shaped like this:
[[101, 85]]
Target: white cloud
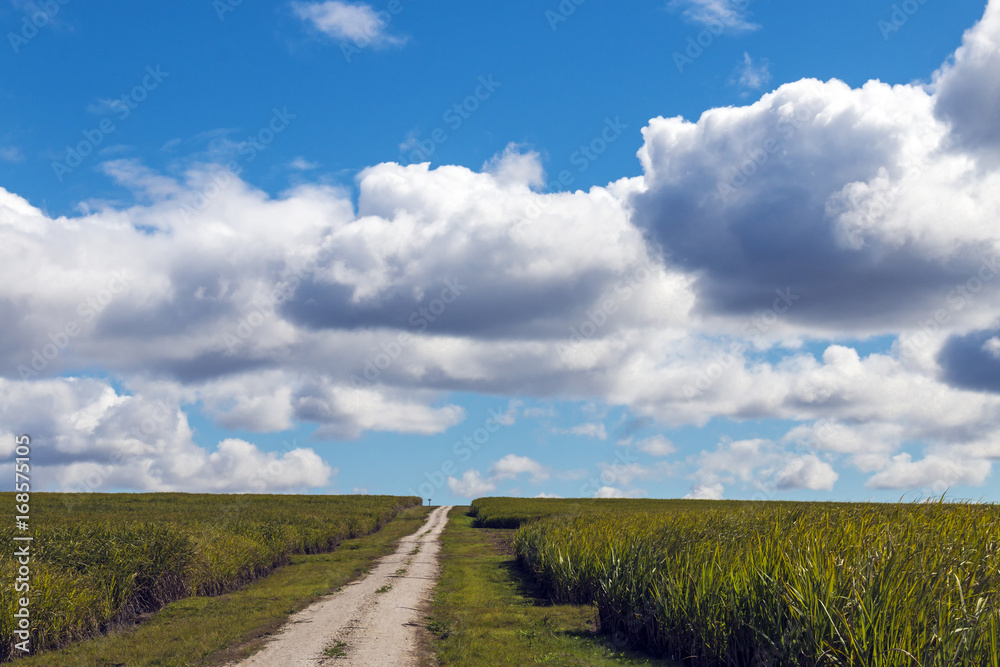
[[806, 472], [509, 417], [753, 75], [512, 465], [610, 492], [539, 413], [760, 465], [932, 472], [471, 485], [705, 492], [992, 346], [840, 203], [547, 495], [358, 22], [302, 164], [516, 167], [589, 430], [656, 445], [11, 154], [716, 14], [967, 87], [97, 439], [626, 473]]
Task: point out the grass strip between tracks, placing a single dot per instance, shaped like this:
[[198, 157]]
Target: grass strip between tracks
[[485, 614]]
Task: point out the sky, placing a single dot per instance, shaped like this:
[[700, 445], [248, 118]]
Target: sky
[[742, 249]]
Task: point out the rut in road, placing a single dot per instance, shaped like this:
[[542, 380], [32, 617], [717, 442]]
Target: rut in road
[[377, 628]]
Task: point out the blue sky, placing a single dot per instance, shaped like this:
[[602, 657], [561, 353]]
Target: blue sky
[[173, 165]]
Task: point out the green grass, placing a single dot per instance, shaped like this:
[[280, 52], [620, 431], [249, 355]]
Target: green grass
[[212, 631], [504, 512], [100, 561], [336, 651], [781, 584], [483, 614]]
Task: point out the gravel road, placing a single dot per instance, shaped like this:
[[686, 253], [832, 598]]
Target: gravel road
[[377, 629]]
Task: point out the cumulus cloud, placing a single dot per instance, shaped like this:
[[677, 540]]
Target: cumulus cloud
[[626, 473], [833, 192], [806, 472], [656, 445], [473, 484], [933, 472], [972, 361], [993, 346], [470, 485], [761, 465], [512, 465], [98, 439], [812, 214], [358, 22], [967, 88], [515, 166], [705, 492]]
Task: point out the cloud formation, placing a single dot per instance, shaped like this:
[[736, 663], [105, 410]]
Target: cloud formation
[[725, 14], [473, 484], [358, 23], [686, 294], [97, 439]]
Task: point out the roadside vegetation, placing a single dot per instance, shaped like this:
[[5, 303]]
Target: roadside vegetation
[[513, 512], [777, 584], [483, 614], [99, 562]]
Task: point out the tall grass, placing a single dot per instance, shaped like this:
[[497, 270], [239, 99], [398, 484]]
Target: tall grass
[[100, 560], [783, 584]]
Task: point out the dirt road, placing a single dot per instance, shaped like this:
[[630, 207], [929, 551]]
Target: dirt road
[[373, 620]]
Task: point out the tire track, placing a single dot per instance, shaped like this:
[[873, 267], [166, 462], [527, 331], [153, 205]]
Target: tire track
[[375, 618]]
